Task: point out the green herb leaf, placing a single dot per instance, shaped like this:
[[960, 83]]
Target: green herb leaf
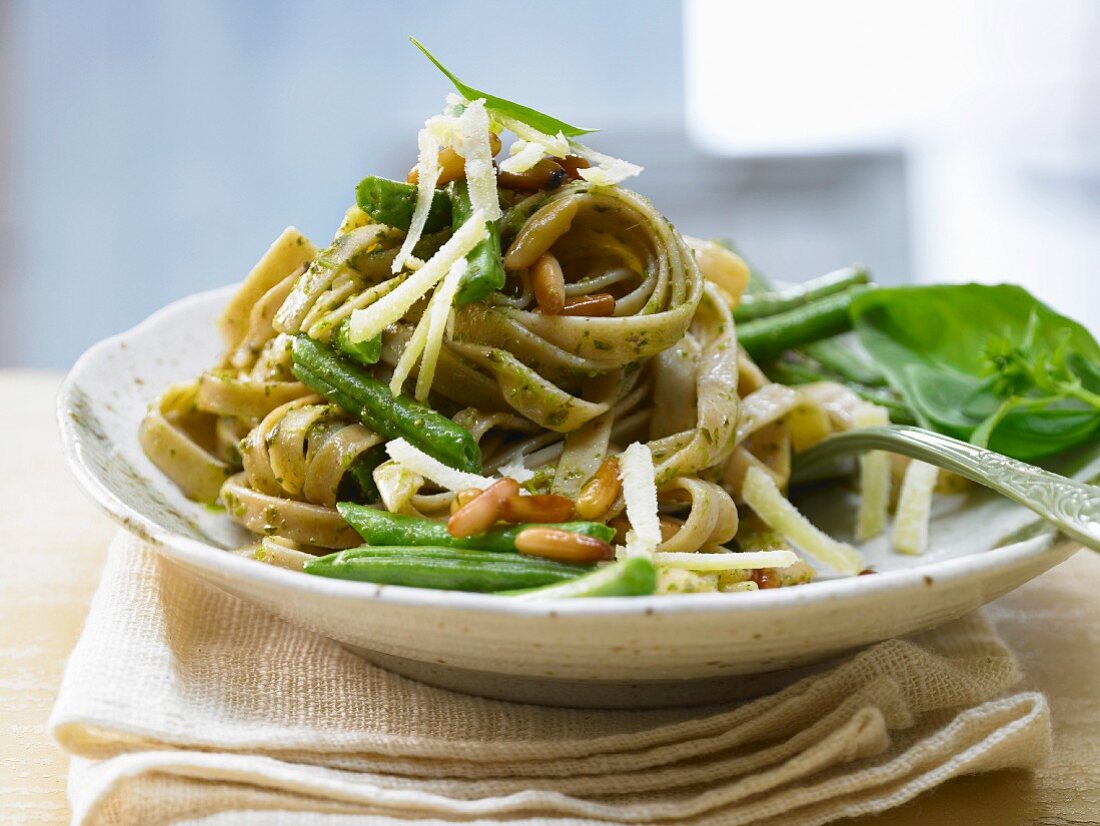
[[986, 363], [533, 118]]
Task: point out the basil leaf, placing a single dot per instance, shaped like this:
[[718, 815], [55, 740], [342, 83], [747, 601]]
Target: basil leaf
[[534, 119], [959, 354]]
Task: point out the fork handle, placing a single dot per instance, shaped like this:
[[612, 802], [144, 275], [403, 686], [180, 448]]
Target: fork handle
[[1071, 506]]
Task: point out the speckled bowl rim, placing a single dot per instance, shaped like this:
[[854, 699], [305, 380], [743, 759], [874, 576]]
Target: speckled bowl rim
[[191, 552]]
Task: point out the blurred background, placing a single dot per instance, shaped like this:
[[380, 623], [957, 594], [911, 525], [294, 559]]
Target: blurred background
[[150, 150]]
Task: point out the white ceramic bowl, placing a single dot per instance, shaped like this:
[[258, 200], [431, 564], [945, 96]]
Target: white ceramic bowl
[[591, 652]]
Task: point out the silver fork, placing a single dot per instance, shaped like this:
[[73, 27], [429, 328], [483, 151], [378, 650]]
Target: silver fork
[[1072, 507]]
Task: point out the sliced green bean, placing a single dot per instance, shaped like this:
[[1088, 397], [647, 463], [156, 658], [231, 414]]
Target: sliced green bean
[[755, 306], [845, 360], [485, 271], [766, 338], [393, 203], [449, 569], [354, 390], [378, 527], [357, 483], [364, 352], [633, 577]]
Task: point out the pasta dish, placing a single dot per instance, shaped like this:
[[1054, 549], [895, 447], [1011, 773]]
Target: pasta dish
[[510, 373]]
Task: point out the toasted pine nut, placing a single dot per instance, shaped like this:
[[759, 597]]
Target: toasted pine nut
[[548, 283], [481, 512], [564, 546], [546, 174], [494, 144], [600, 492], [464, 497], [452, 167], [538, 508], [572, 164], [621, 525], [597, 304], [669, 527], [766, 578], [540, 232]]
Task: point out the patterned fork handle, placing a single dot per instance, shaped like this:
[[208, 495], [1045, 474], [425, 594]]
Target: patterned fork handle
[[1072, 507]]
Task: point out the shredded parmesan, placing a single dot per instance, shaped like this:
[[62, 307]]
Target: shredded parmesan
[[416, 461], [474, 148], [914, 508], [370, 321], [396, 485], [409, 356], [516, 470], [438, 315], [523, 155], [874, 479], [746, 561], [555, 145], [640, 495], [427, 168], [763, 496], [605, 170]]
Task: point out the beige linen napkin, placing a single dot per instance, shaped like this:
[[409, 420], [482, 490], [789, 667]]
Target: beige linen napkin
[[181, 703]]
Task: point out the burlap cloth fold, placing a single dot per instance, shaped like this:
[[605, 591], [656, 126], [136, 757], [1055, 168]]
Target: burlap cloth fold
[[183, 704]]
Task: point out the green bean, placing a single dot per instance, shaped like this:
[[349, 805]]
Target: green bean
[[845, 360], [766, 338], [350, 387], [393, 203], [762, 306], [633, 577], [357, 483], [449, 569], [485, 273], [378, 527], [365, 353]]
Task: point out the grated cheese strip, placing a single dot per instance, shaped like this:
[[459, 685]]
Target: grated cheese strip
[[480, 174], [372, 320], [640, 495], [555, 145], [438, 316], [428, 169], [396, 485], [409, 356], [746, 561], [914, 508], [414, 460], [605, 170], [874, 479], [762, 495], [516, 470], [524, 155]]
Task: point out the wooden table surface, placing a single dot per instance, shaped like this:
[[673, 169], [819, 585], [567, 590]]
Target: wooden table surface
[[56, 543]]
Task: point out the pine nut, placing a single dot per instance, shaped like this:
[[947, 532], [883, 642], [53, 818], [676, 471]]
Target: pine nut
[[621, 525], [766, 578], [464, 497], [546, 174], [597, 304], [540, 233], [481, 512], [600, 492], [563, 546], [548, 283], [452, 167], [669, 527], [538, 508], [573, 164]]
